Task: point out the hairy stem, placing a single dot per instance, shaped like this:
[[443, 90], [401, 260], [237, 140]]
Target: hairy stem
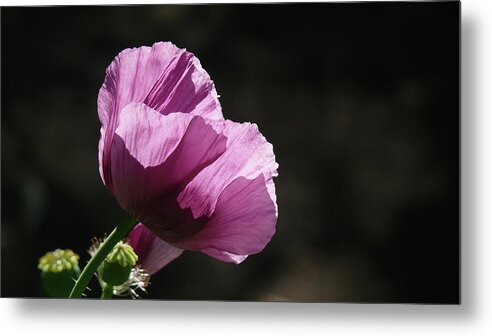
[[107, 292], [118, 233]]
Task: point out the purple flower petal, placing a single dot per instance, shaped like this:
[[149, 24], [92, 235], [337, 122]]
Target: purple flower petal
[[195, 180], [242, 224], [153, 157], [164, 77], [197, 184], [248, 155], [153, 252], [237, 193]]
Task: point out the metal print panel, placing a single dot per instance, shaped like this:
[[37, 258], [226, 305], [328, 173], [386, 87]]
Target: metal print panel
[[273, 152]]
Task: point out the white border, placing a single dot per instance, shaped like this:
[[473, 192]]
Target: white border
[[473, 317]]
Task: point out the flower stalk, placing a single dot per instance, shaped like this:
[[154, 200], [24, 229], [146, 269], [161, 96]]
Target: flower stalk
[[107, 292], [118, 233]]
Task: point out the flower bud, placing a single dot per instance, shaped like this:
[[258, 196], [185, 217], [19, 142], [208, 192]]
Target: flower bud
[[59, 271], [116, 268]]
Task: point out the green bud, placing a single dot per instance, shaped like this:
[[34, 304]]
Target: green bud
[[59, 270], [116, 268]]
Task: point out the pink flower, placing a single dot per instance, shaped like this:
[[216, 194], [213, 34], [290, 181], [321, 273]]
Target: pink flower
[[194, 180]]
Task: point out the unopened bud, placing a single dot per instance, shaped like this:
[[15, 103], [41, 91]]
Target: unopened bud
[[59, 271], [116, 268]]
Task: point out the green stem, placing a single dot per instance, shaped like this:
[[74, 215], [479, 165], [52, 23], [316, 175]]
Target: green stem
[[118, 233], [107, 292]]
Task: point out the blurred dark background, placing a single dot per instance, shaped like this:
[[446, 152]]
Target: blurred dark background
[[361, 103]]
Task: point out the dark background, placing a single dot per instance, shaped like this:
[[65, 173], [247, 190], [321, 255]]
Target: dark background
[[361, 103]]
